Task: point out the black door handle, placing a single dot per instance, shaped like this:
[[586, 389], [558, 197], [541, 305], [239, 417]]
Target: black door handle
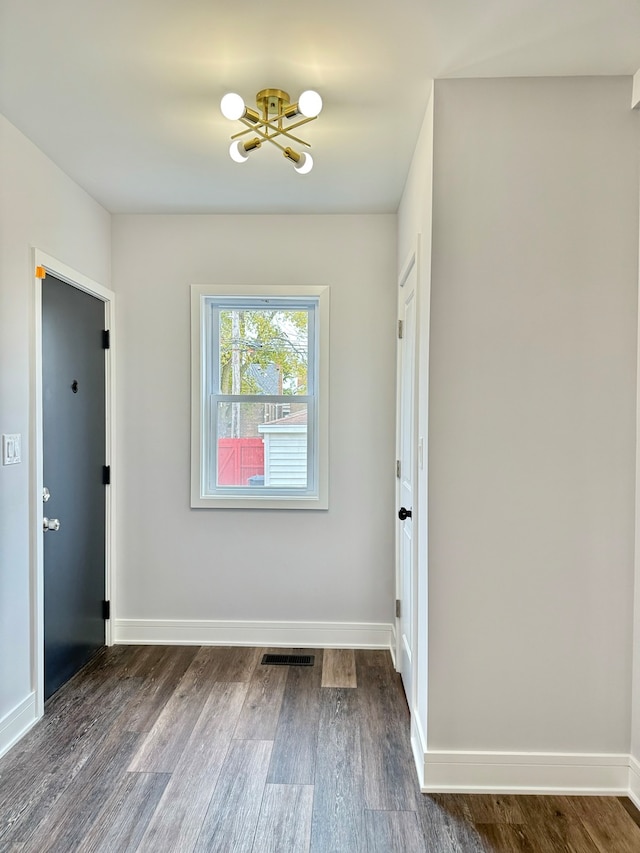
[[404, 513]]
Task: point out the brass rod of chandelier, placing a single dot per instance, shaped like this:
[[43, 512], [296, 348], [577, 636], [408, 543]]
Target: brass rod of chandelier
[[301, 121], [271, 139], [242, 133], [295, 139], [251, 128], [287, 133], [305, 120], [254, 128], [266, 137]]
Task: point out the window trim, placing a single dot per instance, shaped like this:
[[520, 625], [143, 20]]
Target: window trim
[[200, 399]]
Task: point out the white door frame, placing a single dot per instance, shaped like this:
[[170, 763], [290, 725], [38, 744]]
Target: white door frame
[[411, 262], [81, 282]]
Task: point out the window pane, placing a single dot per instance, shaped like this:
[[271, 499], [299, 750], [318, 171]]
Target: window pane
[[263, 351], [262, 445]]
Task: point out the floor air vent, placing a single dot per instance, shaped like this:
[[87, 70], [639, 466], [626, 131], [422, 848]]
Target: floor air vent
[[288, 660]]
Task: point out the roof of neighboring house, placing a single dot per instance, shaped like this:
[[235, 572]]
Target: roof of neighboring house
[[295, 418]]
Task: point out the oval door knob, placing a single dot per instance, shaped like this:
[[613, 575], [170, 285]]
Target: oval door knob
[[404, 513], [51, 524]]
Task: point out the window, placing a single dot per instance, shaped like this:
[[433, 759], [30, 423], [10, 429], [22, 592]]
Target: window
[[259, 397]]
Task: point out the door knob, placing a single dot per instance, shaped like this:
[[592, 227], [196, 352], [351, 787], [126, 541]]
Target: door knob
[[51, 524], [404, 513]]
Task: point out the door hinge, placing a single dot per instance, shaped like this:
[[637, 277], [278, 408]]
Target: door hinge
[[398, 468], [106, 610], [106, 339], [106, 475], [397, 608], [400, 329]]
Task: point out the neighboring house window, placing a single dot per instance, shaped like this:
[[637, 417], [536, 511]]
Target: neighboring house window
[[259, 397]]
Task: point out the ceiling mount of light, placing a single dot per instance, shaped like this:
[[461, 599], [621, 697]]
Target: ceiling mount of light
[[275, 117]]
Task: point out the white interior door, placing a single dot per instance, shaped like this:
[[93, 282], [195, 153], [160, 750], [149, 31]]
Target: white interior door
[[405, 530]]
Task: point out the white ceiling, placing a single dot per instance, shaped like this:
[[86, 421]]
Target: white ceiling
[[124, 94]]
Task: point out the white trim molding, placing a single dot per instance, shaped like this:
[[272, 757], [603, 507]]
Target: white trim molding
[[17, 723], [635, 95], [634, 781], [356, 635], [393, 645], [418, 746], [526, 773]]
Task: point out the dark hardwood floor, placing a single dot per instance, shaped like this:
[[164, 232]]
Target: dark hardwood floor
[[203, 749]]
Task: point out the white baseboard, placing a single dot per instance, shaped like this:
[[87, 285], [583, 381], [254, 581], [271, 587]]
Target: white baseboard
[[392, 645], [634, 781], [17, 723], [525, 773], [418, 747], [336, 635]]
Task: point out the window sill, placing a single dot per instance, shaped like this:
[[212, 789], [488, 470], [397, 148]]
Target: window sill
[[267, 502]]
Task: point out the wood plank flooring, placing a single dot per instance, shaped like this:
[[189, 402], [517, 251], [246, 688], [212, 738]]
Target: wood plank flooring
[[193, 749]]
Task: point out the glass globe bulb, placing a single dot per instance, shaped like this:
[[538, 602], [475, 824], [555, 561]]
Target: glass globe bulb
[[232, 106], [310, 103], [305, 165], [237, 153]]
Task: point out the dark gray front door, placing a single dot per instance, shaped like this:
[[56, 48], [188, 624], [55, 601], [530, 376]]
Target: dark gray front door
[[73, 411]]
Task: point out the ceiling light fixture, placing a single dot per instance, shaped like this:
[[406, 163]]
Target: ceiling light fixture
[[268, 122]]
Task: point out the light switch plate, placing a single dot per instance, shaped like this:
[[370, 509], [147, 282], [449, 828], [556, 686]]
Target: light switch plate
[[11, 448]]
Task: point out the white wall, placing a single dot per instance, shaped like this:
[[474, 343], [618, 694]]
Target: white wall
[[532, 415], [184, 564], [39, 207], [414, 230]]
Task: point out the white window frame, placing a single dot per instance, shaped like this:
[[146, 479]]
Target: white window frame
[[316, 496]]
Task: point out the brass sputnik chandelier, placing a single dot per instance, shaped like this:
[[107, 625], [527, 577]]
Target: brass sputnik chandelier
[[275, 117]]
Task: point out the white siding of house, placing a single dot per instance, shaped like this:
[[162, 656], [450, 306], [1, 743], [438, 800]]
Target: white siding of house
[[285, 457]]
